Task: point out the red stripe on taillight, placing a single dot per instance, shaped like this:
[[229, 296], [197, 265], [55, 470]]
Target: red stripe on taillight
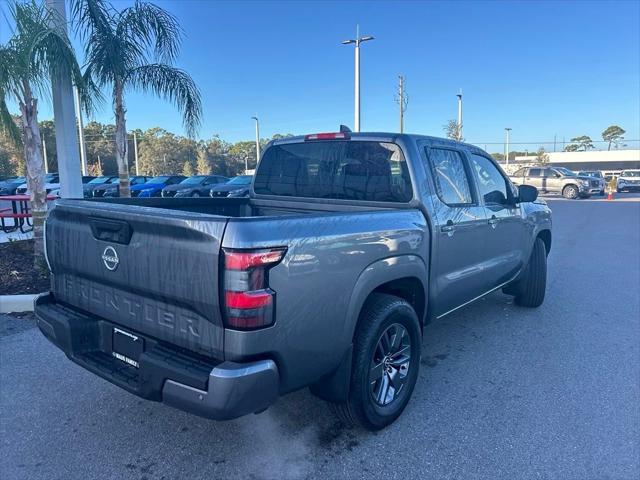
[[247, 300], [237, 260], [327, 136]]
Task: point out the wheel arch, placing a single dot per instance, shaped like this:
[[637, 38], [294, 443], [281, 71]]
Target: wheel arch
[[404, 276], [545, 236]]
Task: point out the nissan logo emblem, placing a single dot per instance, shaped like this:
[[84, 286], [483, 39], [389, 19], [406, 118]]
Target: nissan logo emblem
[[110, 258]]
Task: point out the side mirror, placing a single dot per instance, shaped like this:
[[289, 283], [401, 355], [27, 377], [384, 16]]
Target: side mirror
[[526, 193]]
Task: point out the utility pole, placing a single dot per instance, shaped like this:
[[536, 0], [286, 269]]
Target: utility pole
[[135, 150], [459, 95], [357, 41], [83, 147], [507, 131], [402, 99], [246, 165], [44, 155], [554, 141], [64, 116]]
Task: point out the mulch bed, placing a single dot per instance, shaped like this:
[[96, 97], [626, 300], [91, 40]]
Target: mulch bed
[[17, 273]]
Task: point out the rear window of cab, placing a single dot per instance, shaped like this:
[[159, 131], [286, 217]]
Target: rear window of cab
[[341, 170]]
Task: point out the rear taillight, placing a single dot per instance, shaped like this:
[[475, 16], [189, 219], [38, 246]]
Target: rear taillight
[[248, 302]]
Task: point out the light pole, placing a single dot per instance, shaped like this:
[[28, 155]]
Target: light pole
[[246, 166], [507, 132], [357, 41], [459, 95]]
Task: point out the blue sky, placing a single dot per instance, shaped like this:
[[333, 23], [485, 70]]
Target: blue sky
[[541, 68]]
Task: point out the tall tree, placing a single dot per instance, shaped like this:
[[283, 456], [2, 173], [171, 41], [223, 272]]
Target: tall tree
[[135, 49], [203, 167], [34, 53], [581, 143], [613, 134]]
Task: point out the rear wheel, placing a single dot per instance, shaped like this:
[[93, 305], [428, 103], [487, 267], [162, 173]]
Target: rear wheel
[[386, 359], [196, 194], [570, 191]]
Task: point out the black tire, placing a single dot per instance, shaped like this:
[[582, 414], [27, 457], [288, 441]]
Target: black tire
[[196, 195], [571, 192], [382, 314], [530, 289]]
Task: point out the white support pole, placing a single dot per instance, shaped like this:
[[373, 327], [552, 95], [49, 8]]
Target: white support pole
[[83, 147], [65, 119]]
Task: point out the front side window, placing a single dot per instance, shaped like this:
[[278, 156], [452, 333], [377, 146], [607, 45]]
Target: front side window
[[491, 184], [335, 169], [450, 176]]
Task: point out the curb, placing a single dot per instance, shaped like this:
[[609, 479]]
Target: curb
[[17, 303]]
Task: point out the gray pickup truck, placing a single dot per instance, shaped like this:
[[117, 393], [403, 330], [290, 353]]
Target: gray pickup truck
[[324, 277]]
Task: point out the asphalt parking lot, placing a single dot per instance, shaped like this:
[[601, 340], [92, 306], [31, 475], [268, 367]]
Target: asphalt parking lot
[[503, 392]]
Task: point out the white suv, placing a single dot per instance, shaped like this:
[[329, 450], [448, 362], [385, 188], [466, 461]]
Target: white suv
[[629, 180]]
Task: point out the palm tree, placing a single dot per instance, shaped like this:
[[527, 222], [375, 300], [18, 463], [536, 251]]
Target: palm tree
[[35, 52], [134, 49]]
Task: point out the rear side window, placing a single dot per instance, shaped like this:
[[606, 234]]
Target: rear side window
[[350, 170], [535, 172], [451, 177]]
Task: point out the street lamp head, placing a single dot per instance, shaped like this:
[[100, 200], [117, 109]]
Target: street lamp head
[[347, 42], [364, 39], [507, 128], [254, 118]]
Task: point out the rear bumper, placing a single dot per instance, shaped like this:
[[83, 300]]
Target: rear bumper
[[189, 382]]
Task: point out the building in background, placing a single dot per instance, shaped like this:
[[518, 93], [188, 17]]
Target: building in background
[[608, 161]]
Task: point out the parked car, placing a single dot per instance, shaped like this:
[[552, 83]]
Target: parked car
[[628, 181], [51, 182], [9, 186], [112, 189], [196, 186], [324, 277], [153, 187], [4, 178], [236, 187], [558, 180], [595, 174], [87, 188]]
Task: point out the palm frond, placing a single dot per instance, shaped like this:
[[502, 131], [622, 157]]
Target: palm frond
[[171, 84], [155, 28]]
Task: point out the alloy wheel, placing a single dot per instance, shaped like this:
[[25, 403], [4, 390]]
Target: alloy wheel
[[390, 365]]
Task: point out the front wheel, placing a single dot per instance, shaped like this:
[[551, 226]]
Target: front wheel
[[530, 289], [571, 192], [386, 360]]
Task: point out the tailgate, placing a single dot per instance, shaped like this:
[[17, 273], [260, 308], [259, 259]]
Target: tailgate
[[154, 271]]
